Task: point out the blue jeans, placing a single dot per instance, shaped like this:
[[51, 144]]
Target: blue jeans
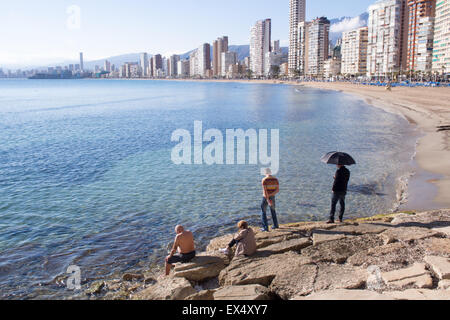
[[264, 205], [338, 197]]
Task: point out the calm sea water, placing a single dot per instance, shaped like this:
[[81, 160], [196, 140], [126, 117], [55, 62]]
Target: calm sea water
[[86, 177]]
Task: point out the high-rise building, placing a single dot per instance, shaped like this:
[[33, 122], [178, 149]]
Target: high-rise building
[[303, 49], [354, 51], [173, 65], [81, 62], [441, 49], [193, 63], [318, 45], [204, 59], [227, 59], [388, 36], [420, 35], [157, 64], [297, 15], [183, 68], [143, 63], [219, 46], [107, 66], [260, 45]]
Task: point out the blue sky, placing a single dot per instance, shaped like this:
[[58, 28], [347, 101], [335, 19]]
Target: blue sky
[[39, 32]]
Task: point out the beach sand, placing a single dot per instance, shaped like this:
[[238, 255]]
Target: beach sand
[[427, 108]]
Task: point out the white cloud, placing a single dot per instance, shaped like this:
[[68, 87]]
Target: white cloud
[[347, 24]]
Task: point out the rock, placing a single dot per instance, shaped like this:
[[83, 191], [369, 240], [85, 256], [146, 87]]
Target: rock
[[118, 295], [443, 230], [243, 293], [363, 228], [259, 270], [388, 257], [420, 294], [289, 245], [166, 289], [205, 295], [132, 277], [344, 294], [430, 219], [416, 276], [444, 285], [219, 243], [95, 288], [440, 266], [321, 236], [201, 268], [407, 234], [436, 246], [339, 251], [306, 279]]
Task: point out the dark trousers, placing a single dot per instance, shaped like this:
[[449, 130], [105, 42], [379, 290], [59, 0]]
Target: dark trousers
[[338, 197], [264, 205], [232, 243]]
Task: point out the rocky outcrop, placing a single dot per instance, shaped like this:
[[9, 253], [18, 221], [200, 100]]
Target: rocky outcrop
[[201, 268], [246, 293], [440, 266], [415, 276], [166, 289]]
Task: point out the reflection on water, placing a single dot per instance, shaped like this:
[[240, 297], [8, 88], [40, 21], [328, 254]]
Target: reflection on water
[[86, 176]]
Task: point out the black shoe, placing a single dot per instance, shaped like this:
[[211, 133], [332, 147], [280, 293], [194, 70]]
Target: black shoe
[[341, 221], [330, 222]]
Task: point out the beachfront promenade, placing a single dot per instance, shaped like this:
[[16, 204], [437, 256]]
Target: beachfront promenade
[[403, 256]]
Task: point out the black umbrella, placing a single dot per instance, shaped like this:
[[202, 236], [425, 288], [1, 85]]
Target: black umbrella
[[340, 158]]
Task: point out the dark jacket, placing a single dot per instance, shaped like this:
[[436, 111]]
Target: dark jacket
[[341, 180]]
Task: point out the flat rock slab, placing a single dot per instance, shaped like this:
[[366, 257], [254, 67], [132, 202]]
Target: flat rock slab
[[289, 245], [407, 234], [201, 268], [429, 219], [321, 236], [416, 276], [259, 270], [306, 279], [205, 295], [344, 294], [166, 289], [444, 285], [388, 257], [419, 294], [340, 250], [243, 293], [443, 230], [440, 266], [363, 228]]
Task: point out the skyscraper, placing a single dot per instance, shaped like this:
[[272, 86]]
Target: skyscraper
[[204, 59], [219, 46], [354, 51], [157, 64], [81, 62], [318, 45], [388, 35], [144, 64], [260, 45], [297, 15], [303, 48], [420, 35], [173, 65], [227, 59], [441, 50]]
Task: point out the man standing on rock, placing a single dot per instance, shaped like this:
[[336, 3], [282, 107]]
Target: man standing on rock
[[340, 186], [184, 244], [271, 187]]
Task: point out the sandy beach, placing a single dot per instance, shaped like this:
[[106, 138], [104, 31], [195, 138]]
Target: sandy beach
[[427, 108]]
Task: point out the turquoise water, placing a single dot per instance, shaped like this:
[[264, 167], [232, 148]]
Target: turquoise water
[[86, 176]]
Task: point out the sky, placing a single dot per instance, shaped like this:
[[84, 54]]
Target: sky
[[46, 31]]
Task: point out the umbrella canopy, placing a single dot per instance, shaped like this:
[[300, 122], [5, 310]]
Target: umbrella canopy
[[338, 158]]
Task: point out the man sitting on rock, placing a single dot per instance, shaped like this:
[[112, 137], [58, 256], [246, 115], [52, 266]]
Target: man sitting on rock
[[184, 244], [245, 241]]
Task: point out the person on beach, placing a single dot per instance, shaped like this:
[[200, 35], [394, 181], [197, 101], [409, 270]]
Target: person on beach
[[271, 187], [184, 244], [245, 241], [340, 186]]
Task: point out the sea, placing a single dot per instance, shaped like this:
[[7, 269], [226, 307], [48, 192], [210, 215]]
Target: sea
[[87, 176]]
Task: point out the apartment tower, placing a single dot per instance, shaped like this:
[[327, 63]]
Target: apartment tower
[[354, 51], [297, 15], [441, 49], [260, 45]]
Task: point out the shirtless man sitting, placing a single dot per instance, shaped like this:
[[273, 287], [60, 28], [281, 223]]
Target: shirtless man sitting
[[184, 244]]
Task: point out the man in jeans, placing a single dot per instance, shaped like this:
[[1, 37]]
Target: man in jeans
[[271, 188], [340, 186]]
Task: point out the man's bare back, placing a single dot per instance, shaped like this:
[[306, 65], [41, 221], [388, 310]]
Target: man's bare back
[[184, 242]]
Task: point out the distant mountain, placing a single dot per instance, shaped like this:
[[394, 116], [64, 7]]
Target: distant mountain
[[343, 24], [243, 51]]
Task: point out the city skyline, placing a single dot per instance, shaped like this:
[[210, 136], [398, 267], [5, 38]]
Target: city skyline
[[48, 32]]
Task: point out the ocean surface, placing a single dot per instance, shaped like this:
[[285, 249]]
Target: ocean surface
[[86, 176]]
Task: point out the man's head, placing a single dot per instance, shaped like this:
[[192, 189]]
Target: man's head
[[179, 229], [242, 225], [268, 172]]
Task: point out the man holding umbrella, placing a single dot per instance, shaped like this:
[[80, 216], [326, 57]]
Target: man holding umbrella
[[341, 180]]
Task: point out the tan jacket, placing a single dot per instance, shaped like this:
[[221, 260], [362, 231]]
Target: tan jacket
[[247, 242]]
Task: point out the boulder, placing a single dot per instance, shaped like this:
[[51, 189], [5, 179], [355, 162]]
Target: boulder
[[289, 245], [259, 270], [416, 276], [219, 243], [95, 288], [407, 234], [440, 266], [166, 289], [201, 268], [243, 293], [339, 251], [344, 294], [306, 279], [205, 295], [132, 277], [388, 257]]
